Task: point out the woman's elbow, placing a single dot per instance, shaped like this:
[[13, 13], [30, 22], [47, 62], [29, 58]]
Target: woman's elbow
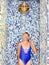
[[36, 51]]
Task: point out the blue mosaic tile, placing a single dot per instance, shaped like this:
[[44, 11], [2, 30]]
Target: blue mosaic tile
[[15, 28]]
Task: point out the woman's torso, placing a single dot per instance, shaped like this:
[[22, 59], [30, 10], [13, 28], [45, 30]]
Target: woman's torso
[[25, 52]]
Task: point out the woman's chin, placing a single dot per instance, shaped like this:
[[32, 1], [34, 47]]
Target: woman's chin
[[26, 40]]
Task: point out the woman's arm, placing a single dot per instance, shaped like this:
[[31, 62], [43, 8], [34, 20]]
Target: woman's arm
[[33, 47], [18, 52]]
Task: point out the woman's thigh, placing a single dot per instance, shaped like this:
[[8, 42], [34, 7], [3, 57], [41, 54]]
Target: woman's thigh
[[29, 62], [21, 62]]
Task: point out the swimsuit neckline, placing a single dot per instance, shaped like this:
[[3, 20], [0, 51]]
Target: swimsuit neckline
[[25, 50]]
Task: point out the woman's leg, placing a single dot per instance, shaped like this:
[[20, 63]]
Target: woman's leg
[[29, 62], [21, 62]]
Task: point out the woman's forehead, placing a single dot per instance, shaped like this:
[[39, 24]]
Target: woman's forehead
[[25, 34]]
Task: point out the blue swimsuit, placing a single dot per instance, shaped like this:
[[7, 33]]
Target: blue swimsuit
[[25, 57]]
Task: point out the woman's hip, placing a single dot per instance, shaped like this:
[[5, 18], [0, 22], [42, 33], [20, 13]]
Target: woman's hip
[[20, 62]]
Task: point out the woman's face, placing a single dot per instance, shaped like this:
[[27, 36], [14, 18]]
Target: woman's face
[[25, 37]]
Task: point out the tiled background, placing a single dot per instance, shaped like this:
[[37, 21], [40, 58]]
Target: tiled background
[[11, 29], [47, 33]]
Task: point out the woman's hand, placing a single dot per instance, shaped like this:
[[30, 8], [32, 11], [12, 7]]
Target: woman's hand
[[36, 51]]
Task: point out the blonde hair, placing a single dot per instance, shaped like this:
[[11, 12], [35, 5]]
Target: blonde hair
[[26, 33]]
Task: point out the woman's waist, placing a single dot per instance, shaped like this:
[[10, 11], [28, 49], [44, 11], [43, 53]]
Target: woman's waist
[[25, 55]]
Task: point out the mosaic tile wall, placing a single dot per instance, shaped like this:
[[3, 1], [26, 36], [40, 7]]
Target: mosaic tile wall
[[11, 29], [47, 33], [30, 23], [2, 31], [43, 32]]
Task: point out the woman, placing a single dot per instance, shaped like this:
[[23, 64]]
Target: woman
[[24, 50]]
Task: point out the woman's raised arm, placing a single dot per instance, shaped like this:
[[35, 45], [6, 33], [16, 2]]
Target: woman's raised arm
[[33, 47]]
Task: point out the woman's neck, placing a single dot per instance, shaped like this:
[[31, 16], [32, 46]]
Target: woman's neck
[[26, 42]]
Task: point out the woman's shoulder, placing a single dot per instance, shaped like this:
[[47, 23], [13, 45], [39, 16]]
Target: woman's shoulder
[[20, 43], [31, 42]]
